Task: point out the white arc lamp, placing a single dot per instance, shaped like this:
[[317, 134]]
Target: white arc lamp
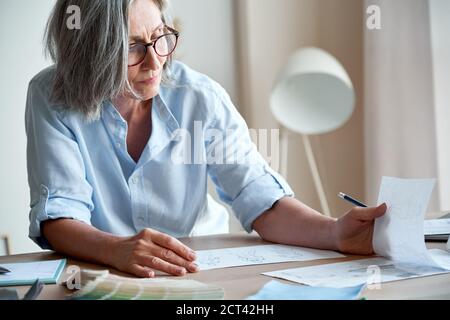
[[313, 95]]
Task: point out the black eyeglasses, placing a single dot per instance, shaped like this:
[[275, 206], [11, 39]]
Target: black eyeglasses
[[164, 46]]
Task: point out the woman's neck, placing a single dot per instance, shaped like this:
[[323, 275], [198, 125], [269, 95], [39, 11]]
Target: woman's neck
[[129, 108]]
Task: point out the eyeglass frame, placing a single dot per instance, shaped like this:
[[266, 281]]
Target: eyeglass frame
[[153, 44]]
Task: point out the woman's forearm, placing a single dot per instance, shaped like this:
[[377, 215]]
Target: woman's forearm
[[138, 254], [79, 240], [291, 222]]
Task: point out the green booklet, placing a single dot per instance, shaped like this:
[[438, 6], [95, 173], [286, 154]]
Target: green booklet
[[26, 273]]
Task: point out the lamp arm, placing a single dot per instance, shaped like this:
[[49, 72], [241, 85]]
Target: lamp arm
[[316, 176]]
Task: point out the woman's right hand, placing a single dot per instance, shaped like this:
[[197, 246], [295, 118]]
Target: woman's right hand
[[152, 250]]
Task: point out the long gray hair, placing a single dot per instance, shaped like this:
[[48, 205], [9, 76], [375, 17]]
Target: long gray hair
[[91, 63]]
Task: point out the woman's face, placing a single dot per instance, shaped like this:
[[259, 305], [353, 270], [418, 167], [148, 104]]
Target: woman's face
[[145, 26]]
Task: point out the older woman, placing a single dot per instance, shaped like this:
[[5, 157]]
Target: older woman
[[103, 125]]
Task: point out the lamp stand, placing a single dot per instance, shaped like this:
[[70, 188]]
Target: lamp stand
[[316, 176], [285, 134]]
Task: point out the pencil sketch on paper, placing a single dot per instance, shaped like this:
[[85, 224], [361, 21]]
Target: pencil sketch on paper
[[251, 256], [261, 254], [209, 259], [350, 273]]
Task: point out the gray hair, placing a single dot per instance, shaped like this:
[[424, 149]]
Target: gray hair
[[91, 63]]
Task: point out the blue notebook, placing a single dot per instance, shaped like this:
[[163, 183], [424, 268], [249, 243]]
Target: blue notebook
[[275, 290], [26, 273]]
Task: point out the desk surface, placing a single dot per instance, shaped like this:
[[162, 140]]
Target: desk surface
[[240, 282]]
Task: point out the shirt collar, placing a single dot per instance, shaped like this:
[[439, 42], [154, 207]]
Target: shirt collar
[[159, 103], [164, 127]]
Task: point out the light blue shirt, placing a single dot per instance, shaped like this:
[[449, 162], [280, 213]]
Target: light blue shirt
[[82, 170]]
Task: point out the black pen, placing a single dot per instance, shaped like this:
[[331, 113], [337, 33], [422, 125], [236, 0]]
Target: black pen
[[34, 291], [3, 270], [351, 200]]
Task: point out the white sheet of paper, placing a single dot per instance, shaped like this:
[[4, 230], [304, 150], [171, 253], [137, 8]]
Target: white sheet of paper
[[436, 226], [353, 273], [262, 254], [398, 238], [398, 235]]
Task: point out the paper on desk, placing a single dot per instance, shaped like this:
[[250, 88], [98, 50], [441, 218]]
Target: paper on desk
[[370, 271], [436, 226], [398, 235], [262, 254]]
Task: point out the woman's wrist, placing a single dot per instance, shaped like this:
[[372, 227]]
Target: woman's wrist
[[112, 245], [333, 234]]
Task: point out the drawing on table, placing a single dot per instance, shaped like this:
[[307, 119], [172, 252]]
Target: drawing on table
[[262, 254], [210, 260], [385, 269], [350, 273], [286, 252], [251, 256]]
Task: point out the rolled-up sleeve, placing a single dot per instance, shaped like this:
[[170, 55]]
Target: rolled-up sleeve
[[56, 172], [244, 180]]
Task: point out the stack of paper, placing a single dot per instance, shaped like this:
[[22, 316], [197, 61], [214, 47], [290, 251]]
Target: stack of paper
[[112, 287], [372, 272], [398, 239], [437, 229]]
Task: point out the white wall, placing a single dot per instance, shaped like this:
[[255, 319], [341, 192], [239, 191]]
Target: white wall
[[400, 137], [21, 30], [440, 26], [207, 39]]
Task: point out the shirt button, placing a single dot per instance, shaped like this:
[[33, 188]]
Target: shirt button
[[134, 180], [141, 219], [44, 191]]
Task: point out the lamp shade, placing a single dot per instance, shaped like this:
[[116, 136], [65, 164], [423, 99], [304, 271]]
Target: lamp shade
[[313, 94]]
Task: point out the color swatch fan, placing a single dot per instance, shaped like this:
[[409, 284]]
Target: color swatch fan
[[112, 287]]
